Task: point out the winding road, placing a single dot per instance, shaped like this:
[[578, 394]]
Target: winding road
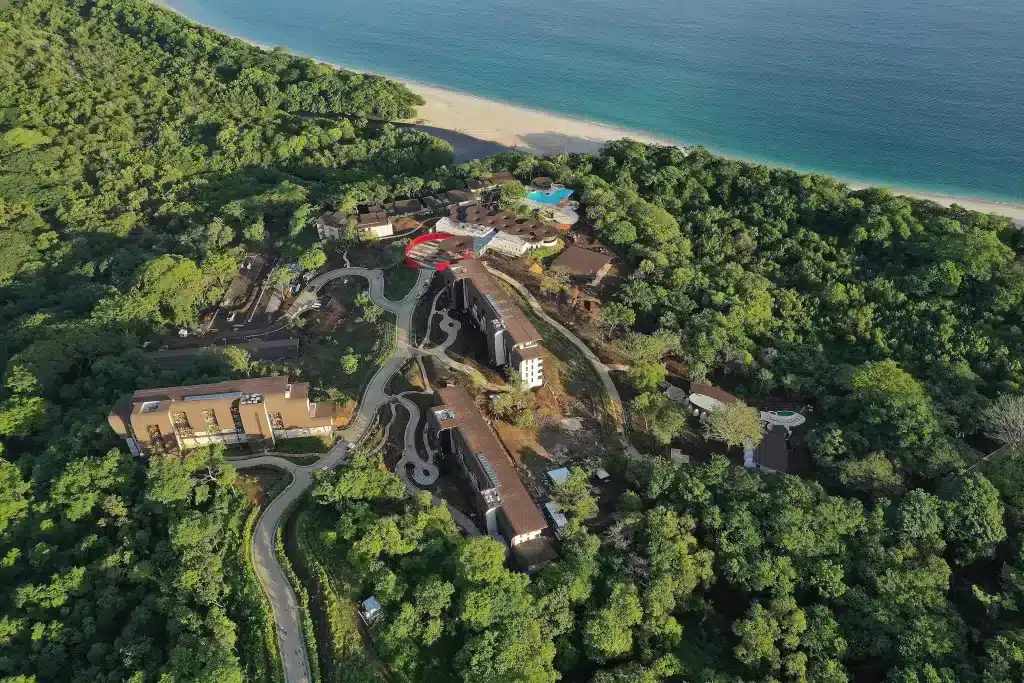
[[283, 601], [278, 589]]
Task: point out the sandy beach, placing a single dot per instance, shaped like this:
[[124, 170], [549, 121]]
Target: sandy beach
[[478, 127]]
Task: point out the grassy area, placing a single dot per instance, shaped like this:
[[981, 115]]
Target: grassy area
[[305, 444], [345, 653], [376, 254], [399, 281]]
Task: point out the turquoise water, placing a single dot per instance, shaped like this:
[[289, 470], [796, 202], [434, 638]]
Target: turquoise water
[[919, 94], [554, 197]]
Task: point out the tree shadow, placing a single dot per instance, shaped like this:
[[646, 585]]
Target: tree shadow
[[466, 147]]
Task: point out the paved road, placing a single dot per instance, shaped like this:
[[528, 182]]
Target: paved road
[[599, 367], [279, 591]]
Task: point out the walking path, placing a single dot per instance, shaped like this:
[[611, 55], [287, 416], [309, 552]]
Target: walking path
[[599, 367]]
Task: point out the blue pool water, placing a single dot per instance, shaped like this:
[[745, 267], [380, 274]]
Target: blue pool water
[[555, 197], [924, 95]]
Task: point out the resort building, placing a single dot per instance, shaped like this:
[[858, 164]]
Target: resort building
[[511, 338], [404, 207], [772, 454], [459, 429], [461, 197], [498, 230], [374, 221], [584, 266], [174, 419]]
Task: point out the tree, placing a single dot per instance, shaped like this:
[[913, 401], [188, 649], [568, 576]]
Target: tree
[[370, 312], [517, 404], [973, 516], [511, 196], [255, 231], [574, 495], [312, 259], [647, 375], [1004, 419], [279, 278], [13, 490], [615, 315], [737, 424], [349, 362], [659, 416], [608, 632], [555, 281]]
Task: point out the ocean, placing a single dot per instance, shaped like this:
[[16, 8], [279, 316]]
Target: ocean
[[925, 95]]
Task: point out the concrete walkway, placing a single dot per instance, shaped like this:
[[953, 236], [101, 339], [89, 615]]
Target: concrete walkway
[[600, 368]]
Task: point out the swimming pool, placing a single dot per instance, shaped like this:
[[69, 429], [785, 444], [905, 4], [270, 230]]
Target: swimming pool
[[553, 197]]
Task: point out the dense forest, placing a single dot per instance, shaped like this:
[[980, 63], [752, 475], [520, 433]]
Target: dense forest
[[142, 156]]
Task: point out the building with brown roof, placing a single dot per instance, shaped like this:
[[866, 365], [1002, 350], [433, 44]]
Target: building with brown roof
[[499, 230], [404, 207], [583, 265], [373, 221], [511, 337], [461, 197], [174, 419], [458, 429], [772, 454]]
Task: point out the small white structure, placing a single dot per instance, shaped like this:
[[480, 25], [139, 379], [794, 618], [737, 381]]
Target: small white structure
[[675, 394], [559, 476], [602, 474], [369, 609], [679, 457], [557, 518]]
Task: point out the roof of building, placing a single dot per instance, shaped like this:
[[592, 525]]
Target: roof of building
[[433, 202], [337, 219], [543, 182], [533, 554], [459, 196], [773, 451], [714, 392], [475, 184], [373, 219], [519, 327], [560, 475], [522, 353], [260, 385], [525, 229], [517, 506], [581, 262], [404, 207]]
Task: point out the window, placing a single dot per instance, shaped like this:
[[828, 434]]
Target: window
[[275, 421], [210, 420]]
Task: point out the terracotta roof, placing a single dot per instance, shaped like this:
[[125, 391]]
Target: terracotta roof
[[714, 392], [522, 353], [581, 262], [456, 244], [517, 506], [773, 451]]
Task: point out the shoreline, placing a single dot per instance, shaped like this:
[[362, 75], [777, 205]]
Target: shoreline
[[477, 127]]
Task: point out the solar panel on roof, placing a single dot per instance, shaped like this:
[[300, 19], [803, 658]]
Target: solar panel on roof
[[213, 397], [488, 469]]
